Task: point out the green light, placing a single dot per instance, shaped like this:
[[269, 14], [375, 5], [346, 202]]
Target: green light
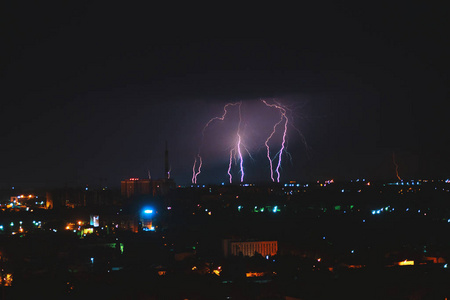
[[351, 206], [337, 207]]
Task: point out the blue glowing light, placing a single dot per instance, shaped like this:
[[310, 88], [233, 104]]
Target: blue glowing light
[[148, 211]]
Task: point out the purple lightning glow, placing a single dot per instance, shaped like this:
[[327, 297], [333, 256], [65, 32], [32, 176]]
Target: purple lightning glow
[[279, 130], [284, 119], [241, 160], [197, 170], [237, 151], [266, 143], [229, 166]]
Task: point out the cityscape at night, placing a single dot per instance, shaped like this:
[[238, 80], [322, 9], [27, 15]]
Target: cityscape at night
[[286, 153]]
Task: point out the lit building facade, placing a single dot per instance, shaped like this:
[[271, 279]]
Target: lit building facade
[[249, 248], [134, 187]]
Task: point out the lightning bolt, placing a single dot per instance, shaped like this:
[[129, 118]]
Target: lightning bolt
[[196, 170], [396, 166], [229, 166], [267, 145], [283, 119], [241, 160], [236, 152]]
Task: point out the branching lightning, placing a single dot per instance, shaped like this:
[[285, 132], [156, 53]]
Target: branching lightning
[[238, 146], [236, 157], [236, 151], [196, 170], [283, 119]]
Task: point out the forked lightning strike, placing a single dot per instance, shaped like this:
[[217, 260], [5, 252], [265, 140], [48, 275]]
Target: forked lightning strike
[[235, 153], [196, 170], [284, 119]]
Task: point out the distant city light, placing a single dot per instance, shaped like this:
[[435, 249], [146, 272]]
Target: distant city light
[[406, 263]]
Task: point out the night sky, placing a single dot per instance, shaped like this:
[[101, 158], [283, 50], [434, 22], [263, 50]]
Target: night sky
[[92, 91]]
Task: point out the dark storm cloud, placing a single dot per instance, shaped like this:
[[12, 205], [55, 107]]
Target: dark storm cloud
[[92, 91]]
